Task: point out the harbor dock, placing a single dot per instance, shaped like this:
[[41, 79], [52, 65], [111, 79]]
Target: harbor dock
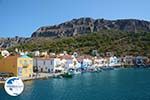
[[37, 76]]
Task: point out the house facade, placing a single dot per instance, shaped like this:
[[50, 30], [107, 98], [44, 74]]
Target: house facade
[[20, 66], [100, 62], [141, 61], [85, 61], [48, 65], [128, 61], [43, 64], [70, 62], [114, 61]]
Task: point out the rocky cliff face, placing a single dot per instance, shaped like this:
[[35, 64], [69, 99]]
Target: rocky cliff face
[[79, 27], [9, 42], [87, 25]]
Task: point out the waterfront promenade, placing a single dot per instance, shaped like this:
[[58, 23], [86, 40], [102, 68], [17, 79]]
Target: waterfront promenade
[[36, 76], [41, 76]]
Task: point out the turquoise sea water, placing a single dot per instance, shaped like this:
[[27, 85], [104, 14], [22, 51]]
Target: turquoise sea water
[[124, 84]]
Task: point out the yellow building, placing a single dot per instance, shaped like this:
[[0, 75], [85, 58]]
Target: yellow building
[[21, 66]]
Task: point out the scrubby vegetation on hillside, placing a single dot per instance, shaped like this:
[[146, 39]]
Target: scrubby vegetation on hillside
[[119, 42]]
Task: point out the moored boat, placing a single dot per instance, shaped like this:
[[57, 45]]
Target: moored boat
[[77, 72], [67, 75]]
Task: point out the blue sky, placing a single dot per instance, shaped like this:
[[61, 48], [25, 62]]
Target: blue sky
[[23, 17]]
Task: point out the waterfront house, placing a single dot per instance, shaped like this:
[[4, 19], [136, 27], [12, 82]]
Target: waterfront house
[[48, 64], [70, 61], [43, 64], [59, 65], [114, 61], [85, 61], [100, 62], [21, 66], [141, 61], [128, 60]]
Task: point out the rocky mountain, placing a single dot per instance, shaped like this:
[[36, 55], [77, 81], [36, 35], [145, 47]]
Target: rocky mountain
[[88, 25], [9, 42], [78, 27]]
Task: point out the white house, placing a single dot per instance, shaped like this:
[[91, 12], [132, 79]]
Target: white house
[[36, 53], [58, 65], [70, 61], [49, 64], [85, 61], [128, 60], [100, 62], [114, 61], [43, 64]]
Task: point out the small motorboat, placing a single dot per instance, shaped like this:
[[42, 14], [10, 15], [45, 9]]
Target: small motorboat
[[67, 75], [77, 72], [74, 71]]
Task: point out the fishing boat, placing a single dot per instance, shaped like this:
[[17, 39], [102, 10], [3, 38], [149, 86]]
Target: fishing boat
[[74, 71], [77, 71], [67, 75]]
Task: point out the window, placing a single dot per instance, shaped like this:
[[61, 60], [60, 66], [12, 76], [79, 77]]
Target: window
[[30, 70], [44, 62], [25, 63], [25, 66], [20, 61], [31, 62], [51, 62]]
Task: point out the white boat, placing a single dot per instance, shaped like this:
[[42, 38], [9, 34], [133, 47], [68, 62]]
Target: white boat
[[74, 71], [77, 72]]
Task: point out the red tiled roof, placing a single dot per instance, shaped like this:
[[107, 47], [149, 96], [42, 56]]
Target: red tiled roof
[[80, 58], [66, 57]]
